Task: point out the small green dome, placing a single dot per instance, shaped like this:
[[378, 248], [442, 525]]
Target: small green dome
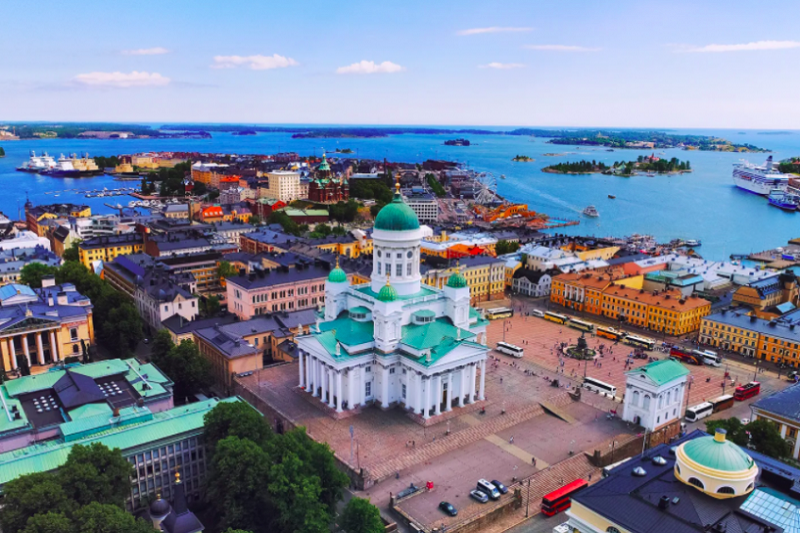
[[324, 166], [387, 294], [716, 453], [337, 275], [457, 281], [397, 216]]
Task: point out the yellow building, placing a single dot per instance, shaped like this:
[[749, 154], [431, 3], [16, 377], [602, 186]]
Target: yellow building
[[598, 253], [768, 292], [44, 326], [512, 266], [736, 332], [485, 277], [107, 248], [583, 291], [667, 311], [36, 214]]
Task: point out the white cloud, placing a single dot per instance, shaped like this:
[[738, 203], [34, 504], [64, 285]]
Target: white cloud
[[744, 47], [157, 51], [560, 48], [122, 79], [370, 67], [493, 29], [502, 66], [257, 62]]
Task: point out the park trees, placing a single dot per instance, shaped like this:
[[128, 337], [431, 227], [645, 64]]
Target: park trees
[[360, 516]]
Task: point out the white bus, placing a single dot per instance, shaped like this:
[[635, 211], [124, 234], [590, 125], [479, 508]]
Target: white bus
[[708, 357], [699, 411], [499, 312], [581, 325], [509, 349], [640, 342], [598, 386]]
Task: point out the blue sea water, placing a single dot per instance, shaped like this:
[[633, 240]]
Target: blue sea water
[[701, 205]]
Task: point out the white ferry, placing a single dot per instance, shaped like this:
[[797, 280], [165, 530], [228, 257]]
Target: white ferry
[[759, 180], [591, 211], [43, 163]]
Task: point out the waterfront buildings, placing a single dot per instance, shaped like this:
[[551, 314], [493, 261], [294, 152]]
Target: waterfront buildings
[[43, 326], [775, 340], [768, 292], [209, 174], [119, 403], [395, 341]]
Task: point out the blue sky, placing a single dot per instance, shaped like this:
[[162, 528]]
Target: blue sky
[[560, 63]]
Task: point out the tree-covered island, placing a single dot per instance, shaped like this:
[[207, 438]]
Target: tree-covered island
[[643, 164], [523, 159]]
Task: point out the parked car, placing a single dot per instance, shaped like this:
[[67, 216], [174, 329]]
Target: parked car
[[478, 495], [488, 489], [448, 508], [538, 313], [502, 488]]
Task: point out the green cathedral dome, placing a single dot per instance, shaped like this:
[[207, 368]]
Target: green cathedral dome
[[397, 215], [337, 275], [457, 281], [387, 293], [716, 453]]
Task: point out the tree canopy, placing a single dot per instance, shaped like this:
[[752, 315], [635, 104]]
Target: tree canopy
[[761, 435], [360, 516], [32, 274], [190, 371], [505, 247]]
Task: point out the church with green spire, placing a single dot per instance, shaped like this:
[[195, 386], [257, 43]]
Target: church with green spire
[[325, 187], [394, 342]]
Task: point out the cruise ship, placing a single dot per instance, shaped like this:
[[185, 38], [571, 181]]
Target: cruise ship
[[38, 163], [75, 167], [759, 180]]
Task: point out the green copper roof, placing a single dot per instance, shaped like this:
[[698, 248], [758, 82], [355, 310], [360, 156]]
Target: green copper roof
[[457, 281], [397, 216], [423, 291], [50, 455], [725, 456], [387, 294], [433, 334], [662, 371], [324, 166], [337, 275], [348, 331]]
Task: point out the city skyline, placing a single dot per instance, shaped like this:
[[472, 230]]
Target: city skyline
[[637, 65]]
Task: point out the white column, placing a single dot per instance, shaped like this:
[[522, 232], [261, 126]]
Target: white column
[[437, 391], [473, 373], [449, 406], [309, 373], [25, 349], [302, 373], [363, 388], [315, 376], [39, 349], [351, 388], [427, 407], [462, 385], [385, 389], [13, 355], [418, 395], [331, 389], [796, 448], [339, 391], [323, 381], [481, 396], [53, 346]]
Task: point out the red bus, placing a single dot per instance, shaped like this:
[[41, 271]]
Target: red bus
[[560, 499], [685, 355], [747, 391]]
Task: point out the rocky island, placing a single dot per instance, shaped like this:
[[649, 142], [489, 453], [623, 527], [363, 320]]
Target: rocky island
[[523, 159]]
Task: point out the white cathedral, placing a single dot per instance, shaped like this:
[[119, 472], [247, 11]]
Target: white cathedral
[[393, 341]]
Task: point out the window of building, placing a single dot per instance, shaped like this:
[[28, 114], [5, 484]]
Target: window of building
[[726, 490], [404, 391], [73, 333], [368, 389], [696, 482]]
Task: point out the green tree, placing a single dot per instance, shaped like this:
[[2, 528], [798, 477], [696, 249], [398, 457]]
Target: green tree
[[319, 461], [256, 220], [235, 419], [29, 495], [32, 274], [210, 305], [49, 523], [226, 270], [435, 186], [339, 231], [100, 518], [766, 439], [322, 229], [236, 485], [2, 152], [190, 371], [505, 247], [296, 496], [734, 428], [24, 367], [72, 253], [96, 473], [360, 516], [161, 346]]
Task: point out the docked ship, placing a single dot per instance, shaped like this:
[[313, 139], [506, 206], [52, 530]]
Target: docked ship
[[759, 180], [75, 167], [38, 163], [591, 211], [782, 199]]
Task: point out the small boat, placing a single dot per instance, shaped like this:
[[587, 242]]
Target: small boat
[[692, 243], [783, 200], [591, 211], [611, 196]]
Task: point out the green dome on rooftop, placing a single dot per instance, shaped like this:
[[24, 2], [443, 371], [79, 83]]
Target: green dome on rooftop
[[717, 453], [337, 275], [397, 215], [457, 281], [387, 294]]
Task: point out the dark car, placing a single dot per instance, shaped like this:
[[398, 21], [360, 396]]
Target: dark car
[[448, 508], [502, 488], [479, 495]]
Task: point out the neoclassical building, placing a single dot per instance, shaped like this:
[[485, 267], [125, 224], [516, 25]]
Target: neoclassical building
[[394, 341]]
